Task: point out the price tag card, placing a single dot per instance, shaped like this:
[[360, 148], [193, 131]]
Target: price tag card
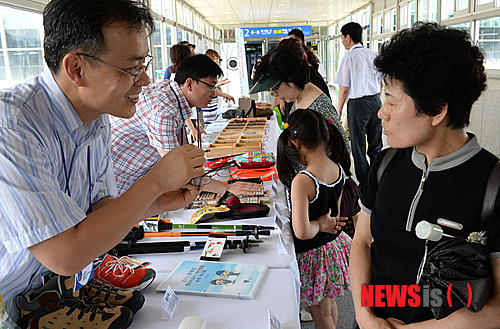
[[281, 246], [274, 187], [279, 222], [84, 276], [274, 323], [278, 209], [169, 304]]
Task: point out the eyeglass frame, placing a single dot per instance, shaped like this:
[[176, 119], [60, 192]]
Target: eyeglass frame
[[213, 88], [206, 177], [274, 89], [134, 75]]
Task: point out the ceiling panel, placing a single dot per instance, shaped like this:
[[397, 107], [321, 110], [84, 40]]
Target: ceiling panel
[[239, 13]]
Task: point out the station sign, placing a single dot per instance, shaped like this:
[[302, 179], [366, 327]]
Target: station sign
[[274, 31]]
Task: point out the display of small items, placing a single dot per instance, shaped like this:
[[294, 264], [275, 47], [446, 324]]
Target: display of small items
[[239, 136], [259, 197], [210, 199]]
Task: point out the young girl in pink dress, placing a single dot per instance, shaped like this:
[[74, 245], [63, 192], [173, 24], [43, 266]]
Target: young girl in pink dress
[[322, 249]]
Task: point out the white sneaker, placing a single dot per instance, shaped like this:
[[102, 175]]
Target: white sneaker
[[305, 316]]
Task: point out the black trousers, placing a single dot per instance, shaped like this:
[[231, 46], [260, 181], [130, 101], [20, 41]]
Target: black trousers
[[364, 125]]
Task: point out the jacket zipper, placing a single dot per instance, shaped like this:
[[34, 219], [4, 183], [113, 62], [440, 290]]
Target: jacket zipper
[[416, 199]]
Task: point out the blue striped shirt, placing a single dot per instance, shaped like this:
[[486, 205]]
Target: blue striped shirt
[[210, 113], [44, 176]]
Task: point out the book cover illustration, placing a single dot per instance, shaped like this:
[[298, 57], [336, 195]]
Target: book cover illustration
[[207, 278]]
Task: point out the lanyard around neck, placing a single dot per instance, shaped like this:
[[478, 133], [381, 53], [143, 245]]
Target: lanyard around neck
[[180, 111], [68, 172]]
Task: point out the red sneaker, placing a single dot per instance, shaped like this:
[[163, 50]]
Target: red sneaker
[[124, 273]]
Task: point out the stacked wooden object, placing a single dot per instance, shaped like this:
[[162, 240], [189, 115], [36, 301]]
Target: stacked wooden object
[[239, 136]]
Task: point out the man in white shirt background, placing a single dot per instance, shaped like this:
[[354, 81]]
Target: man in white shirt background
[[359, 81]]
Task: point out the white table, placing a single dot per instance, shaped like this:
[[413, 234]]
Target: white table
[[278, 292]]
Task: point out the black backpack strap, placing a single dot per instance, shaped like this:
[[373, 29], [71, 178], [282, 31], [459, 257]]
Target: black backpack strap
[[490, 196], [385, 161]]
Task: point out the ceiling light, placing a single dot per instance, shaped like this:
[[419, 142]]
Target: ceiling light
[[281, 4], [221, 6], [279, 11], [276, 16]]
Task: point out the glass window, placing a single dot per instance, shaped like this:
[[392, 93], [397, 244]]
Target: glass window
[[488, 32], [188, 17], [180, 34], [403, 16], [422, 10], [156, 6], [22, 30], [375, 25], [462, 4], [482, 2], [158, 41], [463, 26], [447, 8], [433, 10], [180, 15], [21, 53], [387, 21], [393, 20], [168, 9], [411, 13], [3, 69], [25, 64], [381, 23], [169, 32]]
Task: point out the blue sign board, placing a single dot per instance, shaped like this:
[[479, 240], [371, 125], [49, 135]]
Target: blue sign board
[[274, 31]]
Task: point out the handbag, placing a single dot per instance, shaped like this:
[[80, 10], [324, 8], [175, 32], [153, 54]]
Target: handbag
[[349, 205], [460, 267]]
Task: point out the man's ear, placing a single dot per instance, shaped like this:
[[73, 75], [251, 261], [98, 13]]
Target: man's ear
[[189, 83], [441, 117], [72, 67]]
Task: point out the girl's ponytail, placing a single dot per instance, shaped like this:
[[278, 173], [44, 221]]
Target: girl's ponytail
[[286, 158], [336, 147]]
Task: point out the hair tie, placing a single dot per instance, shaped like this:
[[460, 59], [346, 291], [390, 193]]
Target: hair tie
[[329, 120], [286, 125]]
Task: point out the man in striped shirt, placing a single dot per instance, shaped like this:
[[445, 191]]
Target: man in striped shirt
[[58, 209]]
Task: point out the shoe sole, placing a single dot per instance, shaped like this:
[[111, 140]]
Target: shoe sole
[[145, 284]]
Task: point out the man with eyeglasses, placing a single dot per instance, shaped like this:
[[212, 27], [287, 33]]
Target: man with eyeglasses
[[158, 126], [59, 209]]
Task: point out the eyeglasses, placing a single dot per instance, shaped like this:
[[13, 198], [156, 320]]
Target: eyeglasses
[[135, 75], [212, 88], [207, 177], [274, 90]]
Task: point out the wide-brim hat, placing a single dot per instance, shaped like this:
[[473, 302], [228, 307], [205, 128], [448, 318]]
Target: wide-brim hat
[[266, 82]]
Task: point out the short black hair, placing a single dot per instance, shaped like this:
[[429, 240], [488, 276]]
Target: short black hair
[[436, 66], [197, 67], [76, 25], [283, 63], [298, 33], [354, 30]]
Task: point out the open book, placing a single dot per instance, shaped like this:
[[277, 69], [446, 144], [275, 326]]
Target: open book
[[207, 278]]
